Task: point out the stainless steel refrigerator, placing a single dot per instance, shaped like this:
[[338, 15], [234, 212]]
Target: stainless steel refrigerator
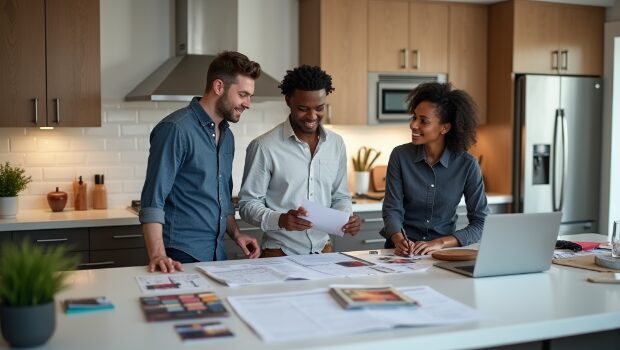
[[557, 148]]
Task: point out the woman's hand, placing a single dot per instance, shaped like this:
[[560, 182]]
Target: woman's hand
[[402, 246], [426, 247]]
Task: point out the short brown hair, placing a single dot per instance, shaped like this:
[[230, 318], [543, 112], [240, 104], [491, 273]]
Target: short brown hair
[[227, 65]]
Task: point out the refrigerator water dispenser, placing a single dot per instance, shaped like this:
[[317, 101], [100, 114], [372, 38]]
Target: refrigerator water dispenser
[[540, 161]]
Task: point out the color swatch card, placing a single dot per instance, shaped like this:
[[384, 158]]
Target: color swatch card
[[202, 331], [85, 305], [181, 307], [173, 283]]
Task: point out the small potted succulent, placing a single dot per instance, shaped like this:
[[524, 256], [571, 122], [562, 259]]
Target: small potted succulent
[[30, 276], [12, 181], [362, 164]]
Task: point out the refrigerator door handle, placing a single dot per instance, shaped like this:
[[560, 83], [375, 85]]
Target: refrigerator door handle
[[564, 157], [559, 119]]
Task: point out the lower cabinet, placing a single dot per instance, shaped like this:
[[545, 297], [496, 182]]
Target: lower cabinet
[[95, 247], [367, 238], [461, 211]]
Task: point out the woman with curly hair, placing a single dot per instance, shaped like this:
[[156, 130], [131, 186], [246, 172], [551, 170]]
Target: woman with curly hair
[[427, 177]]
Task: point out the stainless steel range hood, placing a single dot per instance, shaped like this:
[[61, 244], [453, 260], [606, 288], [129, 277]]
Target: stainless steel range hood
[[184, 76]]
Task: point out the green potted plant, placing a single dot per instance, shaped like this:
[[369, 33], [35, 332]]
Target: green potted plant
[[30, 276], [12, 181], [366, 157]]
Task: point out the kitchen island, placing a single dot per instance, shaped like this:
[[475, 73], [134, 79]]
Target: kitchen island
[[533, 310]]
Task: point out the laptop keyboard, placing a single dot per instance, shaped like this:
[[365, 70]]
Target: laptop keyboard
[[468, 268]]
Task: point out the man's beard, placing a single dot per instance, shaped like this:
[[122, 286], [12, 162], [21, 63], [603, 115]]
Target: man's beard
[[225, 110]]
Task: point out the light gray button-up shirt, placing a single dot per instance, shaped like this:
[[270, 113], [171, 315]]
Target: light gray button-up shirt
[[280, 172]]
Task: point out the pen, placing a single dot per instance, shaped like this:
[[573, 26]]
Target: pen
[[402, 230]]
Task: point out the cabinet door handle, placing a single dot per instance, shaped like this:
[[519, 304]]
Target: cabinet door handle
[[373, 220], [36, 110], [417, 59], [126, 236], [57, 100], [371, 241], [52, 240], [564, 59], [103, 263], [405, 58], [245, 229], [555, 59]]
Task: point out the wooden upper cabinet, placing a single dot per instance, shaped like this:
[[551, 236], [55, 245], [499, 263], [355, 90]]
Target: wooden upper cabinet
[[554, 38], [407, 36], [22, 62], [51, 56], [467, 54], [332, 35]]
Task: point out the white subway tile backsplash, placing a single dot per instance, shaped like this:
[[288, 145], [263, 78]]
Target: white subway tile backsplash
[[109, 130], [135, 130], [121, 116], [32, 202], [68, 158], [151, 116], [140, 171], [34, 172], [39, 159], [144, 143], [59, 173], [4, 144], [56, 132], [52, 144], [113, 186], [13, 158], [103, 157], [120, 144], [120, 173], [23, 144], [134, 186], [87, 144], [134, 157]]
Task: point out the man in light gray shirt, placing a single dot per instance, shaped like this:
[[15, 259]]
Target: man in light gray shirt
[[298, 159]]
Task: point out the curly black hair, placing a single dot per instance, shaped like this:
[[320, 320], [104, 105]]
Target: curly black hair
[[306, 78], [453, 106]]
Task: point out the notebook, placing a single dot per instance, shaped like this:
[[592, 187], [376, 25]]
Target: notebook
[[512, 244]]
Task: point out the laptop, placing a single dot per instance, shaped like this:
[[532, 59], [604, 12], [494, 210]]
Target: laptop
[[512, 244]]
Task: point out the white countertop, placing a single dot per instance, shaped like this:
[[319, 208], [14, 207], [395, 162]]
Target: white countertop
[[40, 219], [522, 308]]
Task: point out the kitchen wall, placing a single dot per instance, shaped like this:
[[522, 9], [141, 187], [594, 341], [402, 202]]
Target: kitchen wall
[[136, 37]]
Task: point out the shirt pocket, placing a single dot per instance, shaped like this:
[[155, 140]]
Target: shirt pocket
[[328, 171]]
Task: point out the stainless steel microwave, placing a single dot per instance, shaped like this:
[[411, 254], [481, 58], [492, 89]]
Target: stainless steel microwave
[[387, 94]]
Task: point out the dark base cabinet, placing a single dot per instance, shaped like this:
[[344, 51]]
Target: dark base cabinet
[[366, 239], [95, 247]]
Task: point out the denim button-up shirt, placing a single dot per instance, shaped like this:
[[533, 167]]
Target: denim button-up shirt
[[423, 199], [189, 182]]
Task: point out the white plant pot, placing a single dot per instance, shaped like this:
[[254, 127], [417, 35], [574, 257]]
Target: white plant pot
[[8, 207], [362, 180]]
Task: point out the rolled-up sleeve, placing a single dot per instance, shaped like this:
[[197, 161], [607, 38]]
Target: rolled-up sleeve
[[393, 206], [477, 209], [165, 156], [256, 177]]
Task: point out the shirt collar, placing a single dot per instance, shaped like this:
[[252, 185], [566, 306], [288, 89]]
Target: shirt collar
[[443, 160], [288, 132], [203, 117]]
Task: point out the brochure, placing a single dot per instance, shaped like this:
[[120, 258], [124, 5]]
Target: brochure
[[370, 297]]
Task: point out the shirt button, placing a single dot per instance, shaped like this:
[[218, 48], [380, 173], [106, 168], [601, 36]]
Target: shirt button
[[427, 221], [432, 185], [213, 135], [212, 124]]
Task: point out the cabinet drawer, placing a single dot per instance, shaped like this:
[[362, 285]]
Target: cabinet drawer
[[116, 237], [364, 240], [75, 239], [117, 258]]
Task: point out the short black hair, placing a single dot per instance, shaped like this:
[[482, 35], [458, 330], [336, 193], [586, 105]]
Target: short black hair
[[227, 65], [306, 78], [453, 106]]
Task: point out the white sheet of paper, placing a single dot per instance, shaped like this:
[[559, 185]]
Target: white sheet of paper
[[325, 219], [172, 283], [245, 274], [314, 314]]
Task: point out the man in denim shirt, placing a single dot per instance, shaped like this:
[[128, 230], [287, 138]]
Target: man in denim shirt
[[186, 199]]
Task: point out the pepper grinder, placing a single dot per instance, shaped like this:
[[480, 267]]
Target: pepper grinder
[[100, 194], [79, 193]]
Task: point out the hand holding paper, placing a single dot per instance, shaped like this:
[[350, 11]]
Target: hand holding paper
[[325, 219]]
